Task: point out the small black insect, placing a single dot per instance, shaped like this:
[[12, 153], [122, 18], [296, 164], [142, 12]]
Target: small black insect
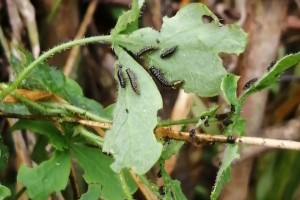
[[232, 108], [169, 52], [206, 123], [161, 190], [157, 41], [250, 83], [121, 78], [145, 50], [203, 118], [227, 122], [230, 139], [271, 65], [126, 110], [159, 77], [132, 79], [159, 174], [192, 134]]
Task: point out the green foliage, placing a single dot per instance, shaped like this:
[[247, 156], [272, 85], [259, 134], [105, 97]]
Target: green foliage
[[4, 192], [42, 77], [270, 77], [223, 176], [128, 21], [196, 61], [50, 176], [93, 192], [131, 139], [46, 128], [172, 148], [171, 187], [97, 171], [18, 108]]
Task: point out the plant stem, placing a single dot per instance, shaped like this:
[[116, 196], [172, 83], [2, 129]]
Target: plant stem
[[125, 186], [178, 122], [91, 137], [48, 54]]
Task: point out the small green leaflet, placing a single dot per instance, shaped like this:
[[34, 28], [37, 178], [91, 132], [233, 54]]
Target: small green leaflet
[[270, 77], [97, 171], [131, 139], [196, 61], [229, 88], [46, 128], [4, 192], [128, 21], [223, 176], [50, 176], [93, 192]]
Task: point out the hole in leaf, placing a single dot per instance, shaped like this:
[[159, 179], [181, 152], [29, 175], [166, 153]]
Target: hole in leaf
[[206, 19]]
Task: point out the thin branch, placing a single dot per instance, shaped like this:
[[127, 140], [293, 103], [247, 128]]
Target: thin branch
[[163, 132], [82, 29]]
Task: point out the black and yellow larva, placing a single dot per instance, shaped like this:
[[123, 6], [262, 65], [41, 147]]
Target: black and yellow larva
[[158, 75], [169, 52], [145, 50], [132, 80]]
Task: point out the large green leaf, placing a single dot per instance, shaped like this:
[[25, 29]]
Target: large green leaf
[[4, 192], [196, 60], [131, 139], [97, 170], [50, 176], [45, 128], [272, 76], [223, 176]]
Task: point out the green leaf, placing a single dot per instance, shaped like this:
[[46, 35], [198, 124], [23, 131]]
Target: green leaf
[[50, 176], [97, 170], [45, 128], [4, 154], [42, 77], [172, 188], [172, 148], [270, 77], [173, 191], [229, 88], [131, 139], [72, 93], [128, 21], [16, 108], [4, 192], [93, 192], [196, 61], [223, 176]]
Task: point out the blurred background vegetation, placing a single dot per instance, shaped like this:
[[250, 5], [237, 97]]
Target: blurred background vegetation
[[274, 30]]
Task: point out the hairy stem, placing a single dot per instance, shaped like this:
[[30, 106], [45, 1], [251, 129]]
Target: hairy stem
[[48, 54]]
